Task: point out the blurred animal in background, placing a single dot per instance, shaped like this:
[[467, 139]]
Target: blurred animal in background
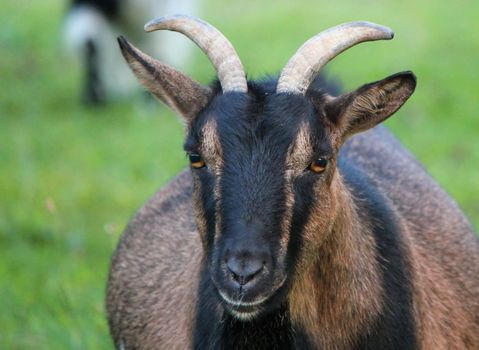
[[90, 31]]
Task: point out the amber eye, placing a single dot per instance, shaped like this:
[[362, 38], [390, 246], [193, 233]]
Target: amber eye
[[319, 165], [196, 161]]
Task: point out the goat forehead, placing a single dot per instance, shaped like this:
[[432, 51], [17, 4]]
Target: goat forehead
[[265, 127]]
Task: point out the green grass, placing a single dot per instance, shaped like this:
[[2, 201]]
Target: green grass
[[70, 177]]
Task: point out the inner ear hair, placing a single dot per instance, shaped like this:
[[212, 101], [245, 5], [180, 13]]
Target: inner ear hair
[[178, 91], [371, 104]]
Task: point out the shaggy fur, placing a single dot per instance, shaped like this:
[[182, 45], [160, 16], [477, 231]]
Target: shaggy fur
[[393, 265], [259, 247]]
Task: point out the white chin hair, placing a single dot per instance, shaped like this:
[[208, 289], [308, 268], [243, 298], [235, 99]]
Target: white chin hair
[[242, 303], [244, 316]]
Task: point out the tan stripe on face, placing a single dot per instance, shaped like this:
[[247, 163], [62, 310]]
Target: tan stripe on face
[[211, 145], [300, 151], [217, 195], [210, 150], [297, 158], [213, 155]]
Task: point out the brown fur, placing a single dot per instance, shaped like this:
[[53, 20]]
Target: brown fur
[[299, 154], [151, 301], [443, 250], [211, 147], [370, 105], [336, 291], [162, 80]]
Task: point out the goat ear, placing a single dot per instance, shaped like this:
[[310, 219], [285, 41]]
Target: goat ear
[[371, 104], [179, 92]]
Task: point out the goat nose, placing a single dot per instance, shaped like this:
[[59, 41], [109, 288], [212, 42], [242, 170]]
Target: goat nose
[[244, 269]]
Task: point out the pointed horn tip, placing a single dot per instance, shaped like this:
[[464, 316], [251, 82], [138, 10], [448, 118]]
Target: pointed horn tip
[[154, 24], [388, 33], [149, 26]]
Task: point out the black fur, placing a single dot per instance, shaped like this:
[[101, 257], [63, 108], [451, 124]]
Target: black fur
[[94, 91], [217, 330], [250, 126], [255, 131], [110, 8], [395, 327]]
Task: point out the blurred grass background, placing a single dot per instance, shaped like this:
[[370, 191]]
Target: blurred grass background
[[71, 176]]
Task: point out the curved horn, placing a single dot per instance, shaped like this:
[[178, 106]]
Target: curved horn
[[310, 58], [214, 44]]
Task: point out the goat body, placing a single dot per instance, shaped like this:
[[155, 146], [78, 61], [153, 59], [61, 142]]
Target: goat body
[[363, 250], [430, 280]]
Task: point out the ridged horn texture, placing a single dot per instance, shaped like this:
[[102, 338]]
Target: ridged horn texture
[[219, 50], [310, 58]]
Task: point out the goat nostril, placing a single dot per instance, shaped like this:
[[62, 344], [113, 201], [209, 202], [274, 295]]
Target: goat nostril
[[244, 270], [244, 279]]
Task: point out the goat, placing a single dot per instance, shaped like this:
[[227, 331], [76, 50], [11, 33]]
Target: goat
[[90, 29], [287, 232]]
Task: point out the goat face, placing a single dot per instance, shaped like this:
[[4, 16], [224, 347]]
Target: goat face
[[263, 156], [255, 187]]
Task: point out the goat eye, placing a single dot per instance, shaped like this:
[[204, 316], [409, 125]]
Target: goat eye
[[319, 165], [196, 161]]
